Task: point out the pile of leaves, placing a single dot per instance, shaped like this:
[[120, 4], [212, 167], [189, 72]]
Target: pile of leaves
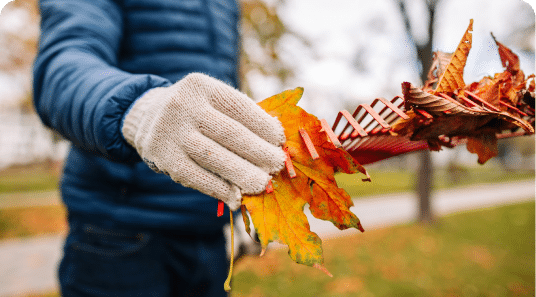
[[454, 112]]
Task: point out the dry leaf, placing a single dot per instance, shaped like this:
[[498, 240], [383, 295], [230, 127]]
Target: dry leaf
[[452, 78], [440, 61], [508, 58], [485, 146], [490, 91], [452, 119], [444, 116]]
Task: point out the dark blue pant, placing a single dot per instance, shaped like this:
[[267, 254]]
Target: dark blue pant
[[106, 262]]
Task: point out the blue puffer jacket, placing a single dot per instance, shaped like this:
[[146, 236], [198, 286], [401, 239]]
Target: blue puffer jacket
[[95, 58]]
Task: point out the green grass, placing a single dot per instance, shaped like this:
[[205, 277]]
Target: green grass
[[488, 252], [394, 181], [30, 178], [480, 253], [45, 177]]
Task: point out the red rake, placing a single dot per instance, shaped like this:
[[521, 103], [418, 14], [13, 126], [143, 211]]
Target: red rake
[[376, 143], [371, 141], [366, 135]]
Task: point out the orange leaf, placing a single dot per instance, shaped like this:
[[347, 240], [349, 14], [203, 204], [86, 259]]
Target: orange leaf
[[532, 83], [490, 92], [452, 78], [278, 216], [485, 146]]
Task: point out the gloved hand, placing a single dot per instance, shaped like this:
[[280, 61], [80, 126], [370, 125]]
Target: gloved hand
[[208, 136]]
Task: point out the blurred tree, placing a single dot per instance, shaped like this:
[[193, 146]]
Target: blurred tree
[[19, 30], [262, 30], [424, 55]]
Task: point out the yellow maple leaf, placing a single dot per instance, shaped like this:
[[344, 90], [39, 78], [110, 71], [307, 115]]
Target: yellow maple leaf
[[278, 215]]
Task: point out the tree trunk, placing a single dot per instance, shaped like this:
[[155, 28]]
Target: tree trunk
[[424, 54], [424, 180], [424, 186]]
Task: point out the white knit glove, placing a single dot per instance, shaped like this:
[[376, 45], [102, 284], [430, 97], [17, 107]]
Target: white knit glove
[[208, 136]]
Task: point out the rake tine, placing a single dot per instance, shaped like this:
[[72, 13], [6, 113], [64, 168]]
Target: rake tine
[[378, 126], [337, 120], [288, 164], [309, 144], [344, 136], [401, 104], [374, 114], [486, 104], [331, 135], [269, 187], [392, 118], [513, 108], [394, 108], [386, 112], [365, 141], [358, 129], [424, 113], [465, 100]]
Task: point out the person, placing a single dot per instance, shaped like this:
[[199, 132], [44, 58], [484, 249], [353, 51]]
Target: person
[[146, 92]]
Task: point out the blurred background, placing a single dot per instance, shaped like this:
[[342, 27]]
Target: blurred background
[[423, 236]]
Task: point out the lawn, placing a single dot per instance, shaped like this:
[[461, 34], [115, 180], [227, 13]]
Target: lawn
[[488, 252], [479, 253], [386, 181], [29, 178], [26, 186], [45, 177]]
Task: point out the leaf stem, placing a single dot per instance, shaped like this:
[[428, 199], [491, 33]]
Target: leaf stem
[[227, 284]]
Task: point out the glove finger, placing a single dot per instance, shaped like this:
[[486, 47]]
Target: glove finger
[[241, 108], [189, 174], [242, 141], [231, 167]]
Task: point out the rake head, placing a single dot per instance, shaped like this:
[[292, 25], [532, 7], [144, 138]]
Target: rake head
[[367, 133]]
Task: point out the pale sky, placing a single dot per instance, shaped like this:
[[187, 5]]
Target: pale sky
[[339, 29]]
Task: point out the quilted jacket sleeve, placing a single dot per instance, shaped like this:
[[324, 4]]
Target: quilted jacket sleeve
[[78, 90]]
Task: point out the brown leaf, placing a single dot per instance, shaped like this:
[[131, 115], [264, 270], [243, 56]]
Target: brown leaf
[[431, 103], [532, 84], [440, 61], [452, 119], [508, 58]]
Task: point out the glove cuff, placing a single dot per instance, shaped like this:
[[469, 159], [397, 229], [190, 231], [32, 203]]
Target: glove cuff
[[133, 117]]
